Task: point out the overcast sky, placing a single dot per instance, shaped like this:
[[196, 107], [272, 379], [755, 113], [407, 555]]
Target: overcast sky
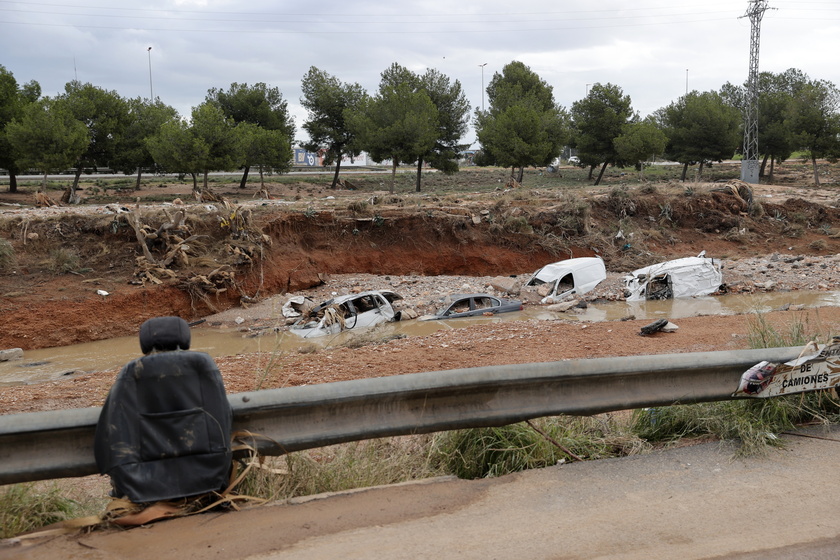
[[654, 50]]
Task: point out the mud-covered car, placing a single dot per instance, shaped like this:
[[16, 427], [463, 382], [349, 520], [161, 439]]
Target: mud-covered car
[[471, 305], [679, 278], [354, 311]]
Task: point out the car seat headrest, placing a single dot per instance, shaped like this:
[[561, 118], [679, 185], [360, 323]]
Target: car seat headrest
[[164, 334]]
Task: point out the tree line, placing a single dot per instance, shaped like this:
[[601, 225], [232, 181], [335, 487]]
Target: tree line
[[413, 118]]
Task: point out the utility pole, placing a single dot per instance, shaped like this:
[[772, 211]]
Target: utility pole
[[151, 90], [749, 163], [482, 85]]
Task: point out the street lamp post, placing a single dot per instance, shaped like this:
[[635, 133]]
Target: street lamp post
[[482, 84], [151, 90]]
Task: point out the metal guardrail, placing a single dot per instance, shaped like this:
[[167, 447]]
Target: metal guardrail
[[59, 444]]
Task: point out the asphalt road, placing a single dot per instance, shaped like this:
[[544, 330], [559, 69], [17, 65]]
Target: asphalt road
[[687, 503]]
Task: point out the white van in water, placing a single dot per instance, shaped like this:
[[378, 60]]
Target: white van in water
[[572, 277], [686, 277]]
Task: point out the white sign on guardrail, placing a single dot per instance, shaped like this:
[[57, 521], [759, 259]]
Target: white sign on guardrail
[[813, 370]]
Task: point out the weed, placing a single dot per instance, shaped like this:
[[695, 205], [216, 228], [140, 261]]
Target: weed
[[25, 507], [378, 220], [342, 467], [484, 452], [754, 422], [358, 207], [762, 334], [63, 260], [818, 245], [793, 230], [517, 224], [7, 257], [798, 218], [310, 212]]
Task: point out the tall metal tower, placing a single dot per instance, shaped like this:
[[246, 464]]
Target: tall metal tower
[[749, 165]]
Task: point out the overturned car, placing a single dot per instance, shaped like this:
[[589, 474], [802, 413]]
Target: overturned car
[[686, 277], [564, 279], [362, 310]]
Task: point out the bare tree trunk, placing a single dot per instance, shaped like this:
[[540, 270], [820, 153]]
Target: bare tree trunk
[[816, 171], [684, 172], [419, 173], [521, 174], [699, 172], [44, 184], [262, 179], [601, 174], [337, 169], [244, 177], [73, 198], [393, 174], [139, 174], [12, 182], [591, 169], [196, 189], [763, 165], [772, 170]]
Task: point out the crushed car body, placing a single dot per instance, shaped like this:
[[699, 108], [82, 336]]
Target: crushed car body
[[354, 311], [472, 305], [680, 278], [572, 277]]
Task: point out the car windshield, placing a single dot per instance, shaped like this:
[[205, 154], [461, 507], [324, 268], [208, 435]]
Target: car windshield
[[466, 305]]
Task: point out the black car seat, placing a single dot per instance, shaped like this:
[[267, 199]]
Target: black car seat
[[164, 431]]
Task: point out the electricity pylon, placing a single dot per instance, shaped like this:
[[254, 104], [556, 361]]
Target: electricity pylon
[[749, 164]]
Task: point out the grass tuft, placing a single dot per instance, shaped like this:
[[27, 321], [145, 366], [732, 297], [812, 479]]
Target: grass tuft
[[8, 262], [26, 507]]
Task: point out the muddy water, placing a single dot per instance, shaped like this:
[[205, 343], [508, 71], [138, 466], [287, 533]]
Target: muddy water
[[53, 363]]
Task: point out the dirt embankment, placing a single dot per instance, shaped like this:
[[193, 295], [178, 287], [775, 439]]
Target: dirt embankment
[[278, 249]]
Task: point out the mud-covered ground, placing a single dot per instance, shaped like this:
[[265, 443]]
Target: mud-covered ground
[[311, 240]]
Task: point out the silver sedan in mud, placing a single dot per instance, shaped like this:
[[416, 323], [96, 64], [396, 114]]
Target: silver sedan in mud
[[472, 305]]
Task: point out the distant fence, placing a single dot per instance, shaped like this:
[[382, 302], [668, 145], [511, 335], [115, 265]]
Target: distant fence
[[58, 444]]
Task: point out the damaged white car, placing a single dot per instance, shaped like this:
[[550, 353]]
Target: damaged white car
[[571, 277], [354, 311], [686, 277]]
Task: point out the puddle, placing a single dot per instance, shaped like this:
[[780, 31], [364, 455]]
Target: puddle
[[53, 363]]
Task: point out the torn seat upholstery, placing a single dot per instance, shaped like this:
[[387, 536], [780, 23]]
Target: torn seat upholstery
[[164, 431]]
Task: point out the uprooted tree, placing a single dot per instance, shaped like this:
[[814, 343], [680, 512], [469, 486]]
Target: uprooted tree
[[174, 245]]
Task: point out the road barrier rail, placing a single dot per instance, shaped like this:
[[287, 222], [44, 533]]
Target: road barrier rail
[[59, 444]]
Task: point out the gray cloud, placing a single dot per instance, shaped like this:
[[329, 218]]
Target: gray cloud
[[650, 49]]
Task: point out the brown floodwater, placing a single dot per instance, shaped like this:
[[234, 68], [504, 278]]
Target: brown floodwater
[[52, 363]]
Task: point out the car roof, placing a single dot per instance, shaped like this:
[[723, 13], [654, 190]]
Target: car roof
[[560, 268], [454, 297], [387, 294]]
